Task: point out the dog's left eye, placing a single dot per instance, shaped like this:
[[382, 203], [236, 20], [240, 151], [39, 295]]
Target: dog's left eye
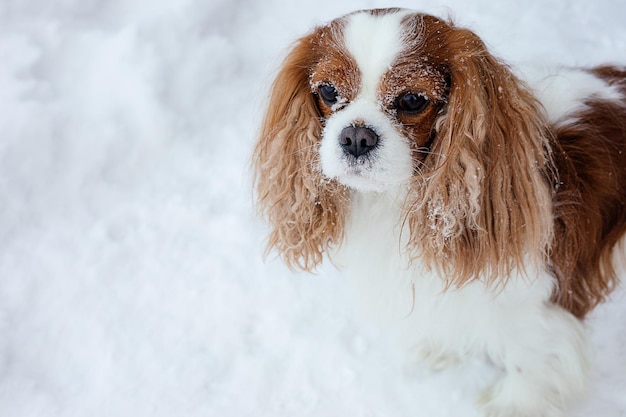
[[329, 94], [411, 103]]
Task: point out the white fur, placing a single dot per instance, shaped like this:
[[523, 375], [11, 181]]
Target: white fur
[[374, 42], [539, 346], [563, 91], [390, 163]]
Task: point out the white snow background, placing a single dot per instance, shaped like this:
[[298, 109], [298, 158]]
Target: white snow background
[[131, 276]]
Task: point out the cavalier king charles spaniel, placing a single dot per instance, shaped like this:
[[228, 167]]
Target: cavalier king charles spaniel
[[475, 208]]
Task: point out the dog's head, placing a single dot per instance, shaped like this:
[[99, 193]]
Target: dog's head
[[388, 100]]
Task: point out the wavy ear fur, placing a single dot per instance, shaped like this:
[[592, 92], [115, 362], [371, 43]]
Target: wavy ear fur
[[304, 209], [483, 205]]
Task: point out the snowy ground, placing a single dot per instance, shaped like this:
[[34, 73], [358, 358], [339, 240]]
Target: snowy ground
[[131, 278]]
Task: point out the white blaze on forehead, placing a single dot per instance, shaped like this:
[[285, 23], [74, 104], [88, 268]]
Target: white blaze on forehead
[[374, 42]]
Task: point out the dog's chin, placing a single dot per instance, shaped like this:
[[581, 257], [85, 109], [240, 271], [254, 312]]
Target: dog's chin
[[366, 180], [358, 183]]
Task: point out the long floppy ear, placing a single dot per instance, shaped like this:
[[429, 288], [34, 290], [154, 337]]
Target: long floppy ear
[[484, 204], [304, 209]]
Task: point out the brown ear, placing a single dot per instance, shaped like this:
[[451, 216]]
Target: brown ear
[[483, 206], [303, 208]]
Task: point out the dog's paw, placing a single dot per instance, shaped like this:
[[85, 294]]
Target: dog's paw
[[514, 397], [432, 358]]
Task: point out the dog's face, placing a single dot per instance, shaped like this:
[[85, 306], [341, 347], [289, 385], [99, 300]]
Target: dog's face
[[408, 104], [379, 93]]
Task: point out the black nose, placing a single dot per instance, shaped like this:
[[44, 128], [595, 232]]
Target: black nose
[[357, 140]]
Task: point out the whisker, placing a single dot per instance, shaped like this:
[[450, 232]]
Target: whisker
[[427, 151]]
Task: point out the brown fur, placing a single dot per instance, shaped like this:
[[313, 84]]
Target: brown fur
[[590, 201], [305, 209], [482, 201], [498, 187]]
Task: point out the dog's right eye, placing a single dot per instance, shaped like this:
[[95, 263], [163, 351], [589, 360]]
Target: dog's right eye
[[329, 94]]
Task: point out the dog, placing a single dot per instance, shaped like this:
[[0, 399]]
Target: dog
[[477, 207]]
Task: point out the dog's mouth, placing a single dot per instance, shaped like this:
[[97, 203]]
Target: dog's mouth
[[364, 173], [360, 165]]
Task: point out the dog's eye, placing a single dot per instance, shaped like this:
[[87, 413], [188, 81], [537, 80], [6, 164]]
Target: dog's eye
[[329, 94], [411, 103]]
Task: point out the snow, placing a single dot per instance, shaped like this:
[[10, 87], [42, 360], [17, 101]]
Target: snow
[[131, 274]]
